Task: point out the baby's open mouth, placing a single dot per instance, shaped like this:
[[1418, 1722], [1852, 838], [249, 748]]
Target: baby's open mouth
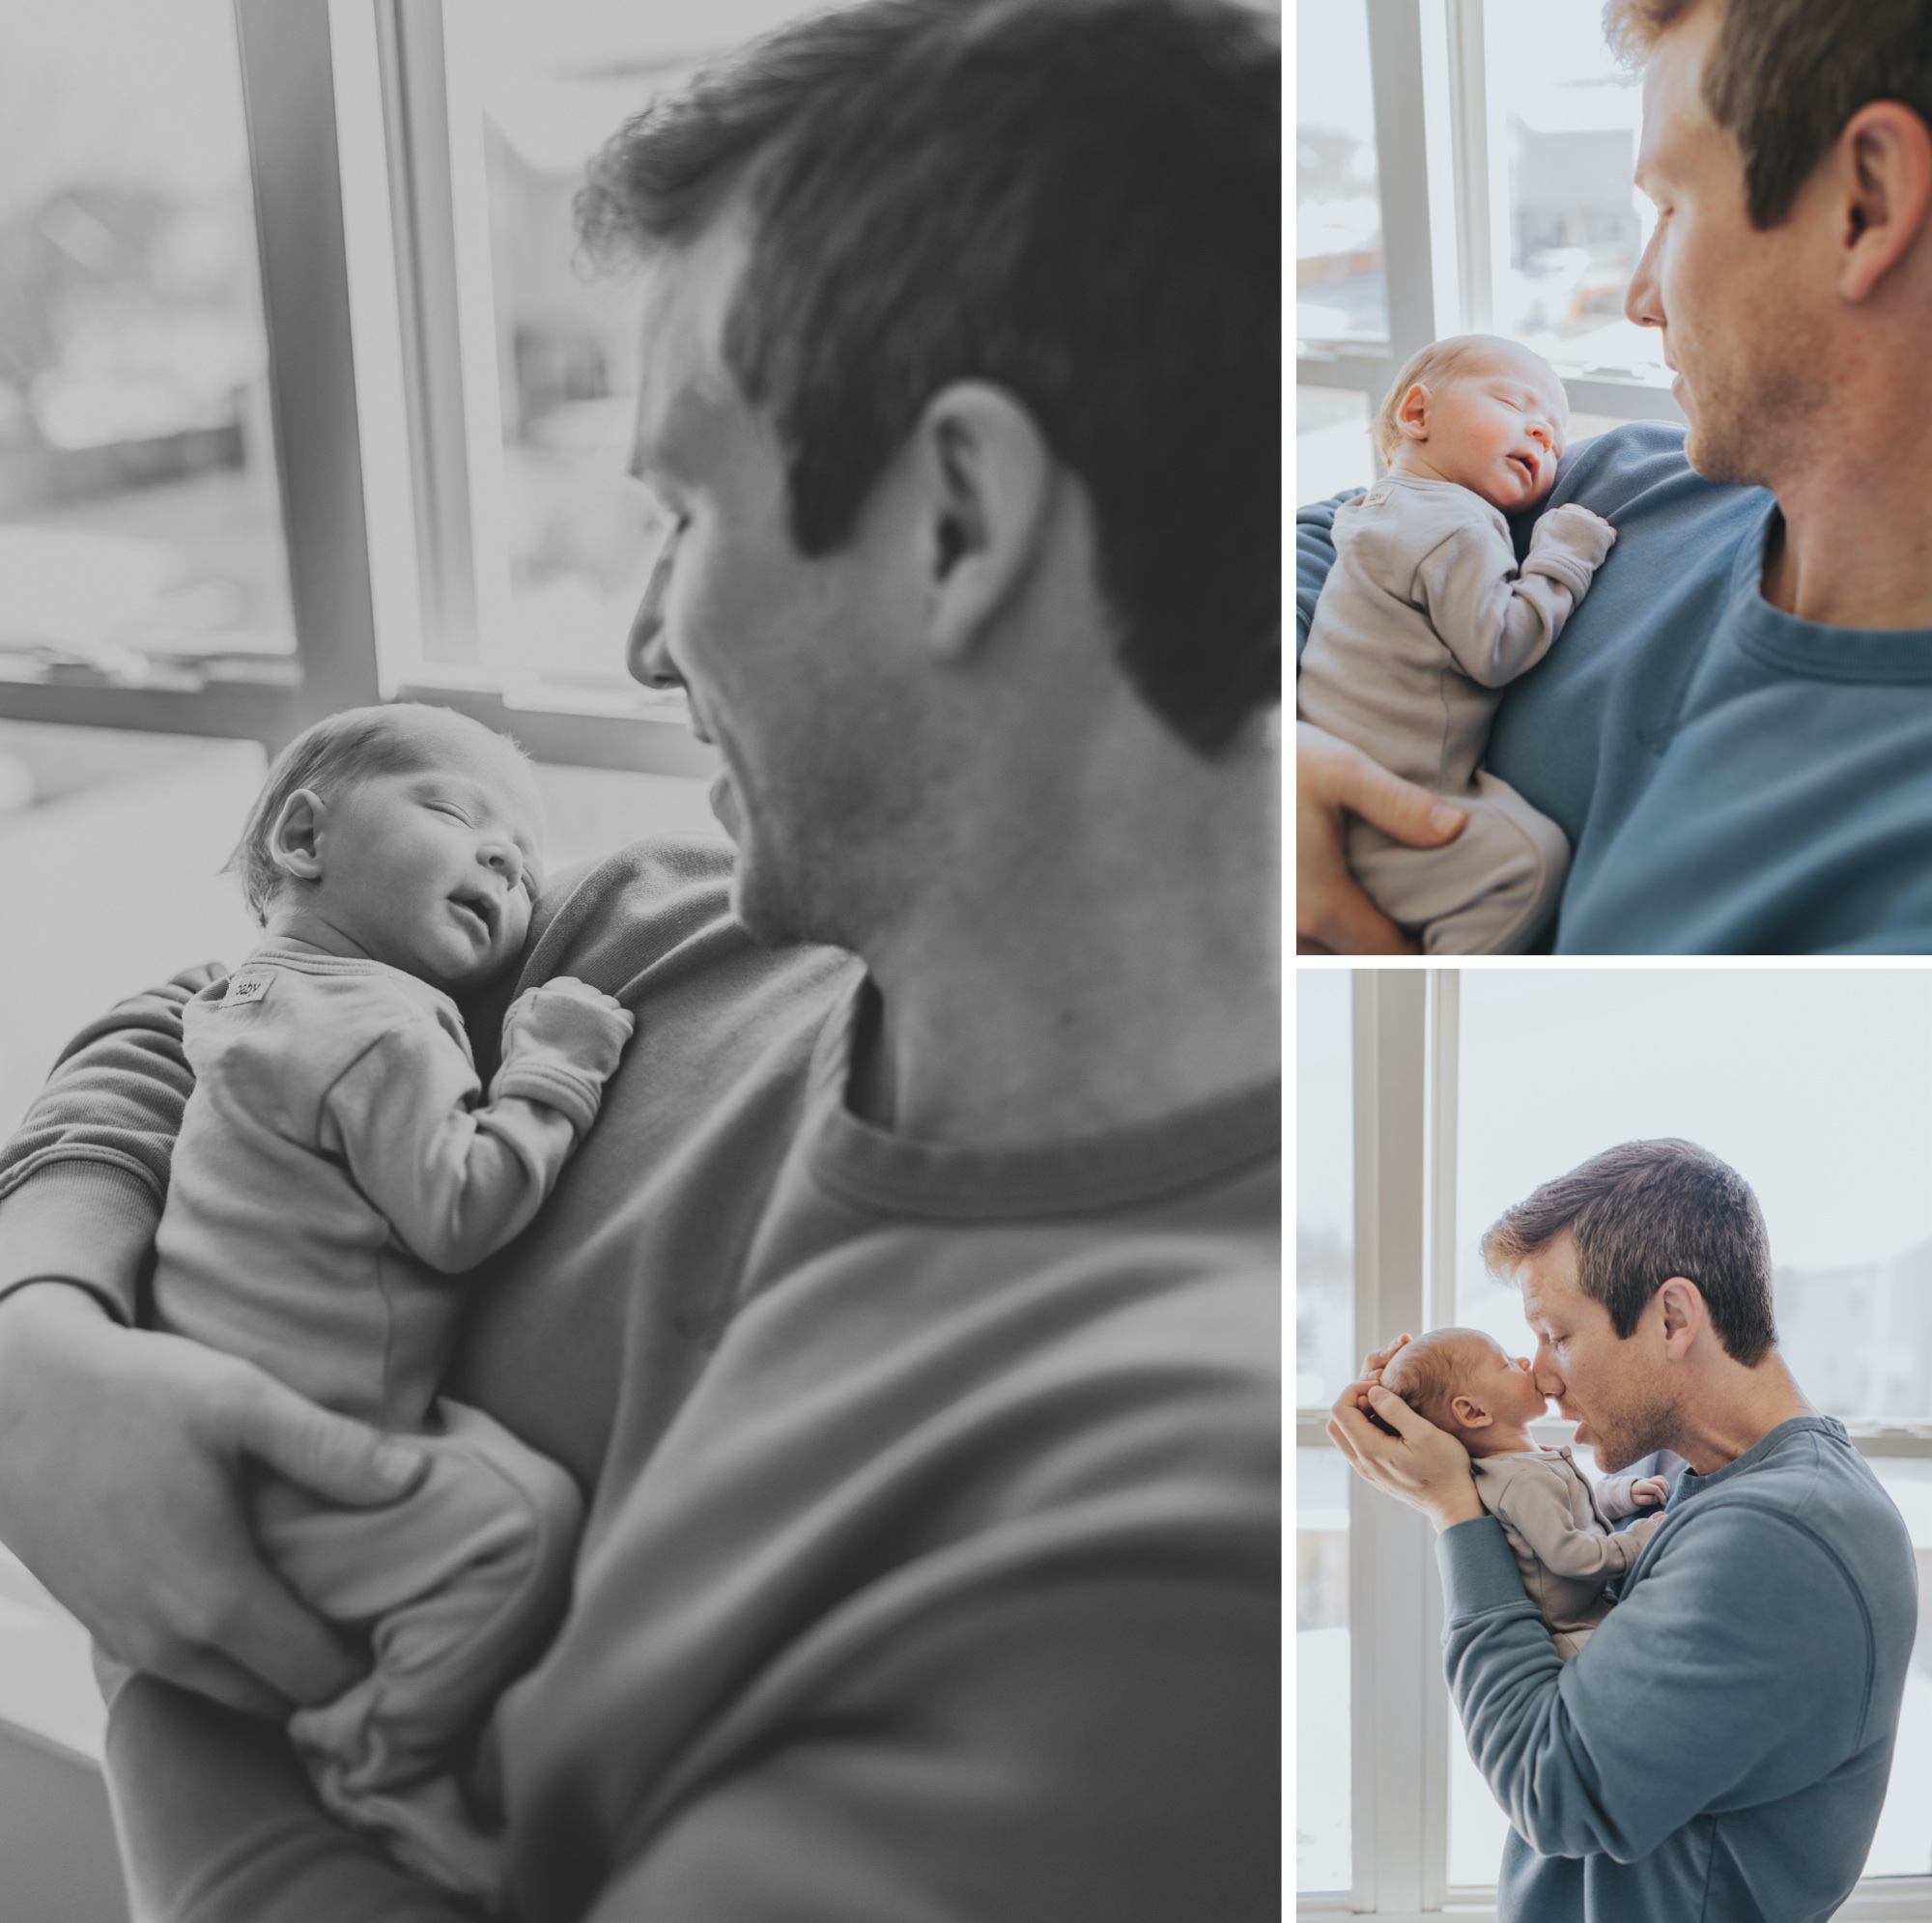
[[1527, 466], [479, 908]]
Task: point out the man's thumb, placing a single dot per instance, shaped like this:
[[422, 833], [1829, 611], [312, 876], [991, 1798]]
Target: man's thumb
[[332, 1456], [1392, 1409]]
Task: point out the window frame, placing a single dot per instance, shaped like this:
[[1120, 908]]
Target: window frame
[[368, 247], [1404, 1056], [1443, 204]]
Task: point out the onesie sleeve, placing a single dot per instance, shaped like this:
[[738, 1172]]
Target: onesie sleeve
[[1495, 622], [1705, 1686], [83, 1178], [1537, 1507], [453, 1180]]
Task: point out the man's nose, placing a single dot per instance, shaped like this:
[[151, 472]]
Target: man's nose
[[646, 651], [1642, 303]]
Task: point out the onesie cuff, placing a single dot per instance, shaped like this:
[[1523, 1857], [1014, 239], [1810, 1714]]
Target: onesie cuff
[[1479, 1571], [1561, 567], [84, 1221], [575, 1097]]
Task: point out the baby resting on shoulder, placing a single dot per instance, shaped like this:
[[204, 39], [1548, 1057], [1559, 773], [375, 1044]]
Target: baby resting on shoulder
[[1557, 1521]]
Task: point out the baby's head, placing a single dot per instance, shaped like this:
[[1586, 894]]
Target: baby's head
[[1481, 411], [407, 833], [1462, 1380]]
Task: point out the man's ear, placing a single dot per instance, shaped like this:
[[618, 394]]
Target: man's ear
[[1411, 414], [1886, 157], [1469, 1412], [295, 841], [989, 483], [1681, 1304]]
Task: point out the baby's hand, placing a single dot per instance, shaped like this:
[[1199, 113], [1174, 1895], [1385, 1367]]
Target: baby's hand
[[1578, 531], [1649, 1491], [568, 984]]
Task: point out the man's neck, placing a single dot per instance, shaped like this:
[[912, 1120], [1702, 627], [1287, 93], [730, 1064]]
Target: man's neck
[[1722, 1426], [1111, 969], [1851, 549]]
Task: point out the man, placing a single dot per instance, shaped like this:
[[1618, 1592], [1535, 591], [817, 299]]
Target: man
[[908, 1317], [1735, 730], [1720, 1745]]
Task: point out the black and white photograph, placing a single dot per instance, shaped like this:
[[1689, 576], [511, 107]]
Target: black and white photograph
[[640, 1094]]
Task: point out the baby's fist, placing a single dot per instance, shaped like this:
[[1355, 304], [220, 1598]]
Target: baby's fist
[[568, 984], [1650, 1491]]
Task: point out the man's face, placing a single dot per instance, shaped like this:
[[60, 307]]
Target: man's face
[[1611, 1389], [788, 660], [1740, 309]]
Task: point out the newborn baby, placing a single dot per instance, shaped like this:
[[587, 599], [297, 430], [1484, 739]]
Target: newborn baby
[[1557, 1522], [339, 1163], [1424, 615]]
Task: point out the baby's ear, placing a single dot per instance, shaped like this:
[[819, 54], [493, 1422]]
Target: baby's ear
[[294, 836], [1469, 1412]]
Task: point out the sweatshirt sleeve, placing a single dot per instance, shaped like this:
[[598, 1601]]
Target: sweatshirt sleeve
[[1707, 1684], [83, 1178], [455, 1182], [1495, 621], [1314, 557], [1537, 1505]]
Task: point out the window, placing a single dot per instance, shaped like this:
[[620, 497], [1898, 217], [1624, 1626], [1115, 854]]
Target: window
[[1472, 1087], [140, 526], [1464, 166]]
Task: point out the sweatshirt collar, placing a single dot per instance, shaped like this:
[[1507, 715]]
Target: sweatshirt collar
[[1118, 1169], [1782, 642], [1693, 1484]]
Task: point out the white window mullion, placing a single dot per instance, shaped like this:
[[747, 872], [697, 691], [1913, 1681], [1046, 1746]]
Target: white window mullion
[[1402, 165], [1395, 1659]]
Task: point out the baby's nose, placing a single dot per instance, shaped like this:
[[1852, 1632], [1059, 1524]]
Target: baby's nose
[[506, 859]]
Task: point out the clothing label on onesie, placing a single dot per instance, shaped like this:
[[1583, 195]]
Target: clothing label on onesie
[[250, 985]]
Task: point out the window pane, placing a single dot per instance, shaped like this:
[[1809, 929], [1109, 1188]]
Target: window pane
[[1564, 120], [1331, 442], [1338, 289], [1325, 1167], [554, 80], [1816, 1086], [140, 530], [1322, 1803]]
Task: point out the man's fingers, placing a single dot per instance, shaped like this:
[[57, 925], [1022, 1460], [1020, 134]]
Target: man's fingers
[[1393, 1410], [330, 1455], [1401, 809]]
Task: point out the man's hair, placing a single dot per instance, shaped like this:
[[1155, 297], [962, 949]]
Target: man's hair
[[1076, 200], [331, 758], [1438, 362], [1429, 1372], [1641, 1214], [1783, 76]]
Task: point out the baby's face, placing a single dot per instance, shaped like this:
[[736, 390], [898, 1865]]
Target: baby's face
[[1496, 428], [434, 871], [1505, 1385]]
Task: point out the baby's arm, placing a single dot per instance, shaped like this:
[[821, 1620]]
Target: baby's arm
[[457, 1182], [1538, 1507], [1498, 621], [1619, 1496]]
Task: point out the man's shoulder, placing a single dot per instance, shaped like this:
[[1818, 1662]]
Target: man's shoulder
[[1641, 465]]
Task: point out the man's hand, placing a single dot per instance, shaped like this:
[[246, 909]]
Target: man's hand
[[1332, 916], [125, 1457], [1651, 1490], [1418, 1465]]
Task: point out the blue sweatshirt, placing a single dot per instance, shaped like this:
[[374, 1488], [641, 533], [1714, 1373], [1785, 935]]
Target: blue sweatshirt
[[1717, 1751], [1732, 780]]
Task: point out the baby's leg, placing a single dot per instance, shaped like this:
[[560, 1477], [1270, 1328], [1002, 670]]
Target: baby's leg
[[1489, 892], [459, 1586]]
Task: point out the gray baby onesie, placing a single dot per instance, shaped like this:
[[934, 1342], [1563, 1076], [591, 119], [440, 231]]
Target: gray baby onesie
[[336, 1170], [1424, 616], [1558, 1524]]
